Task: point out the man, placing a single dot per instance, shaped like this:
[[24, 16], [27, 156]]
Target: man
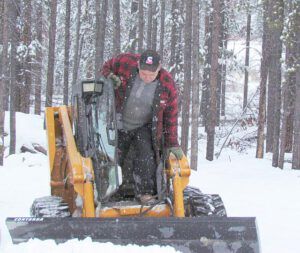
[[146, 105]]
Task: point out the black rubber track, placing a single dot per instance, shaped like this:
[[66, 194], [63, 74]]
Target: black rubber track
[[199, 204], [49, 206]]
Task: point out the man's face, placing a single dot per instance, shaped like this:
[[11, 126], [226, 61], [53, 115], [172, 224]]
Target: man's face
[[149, 76]]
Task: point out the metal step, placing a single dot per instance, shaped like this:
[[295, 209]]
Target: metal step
[[197, 234]]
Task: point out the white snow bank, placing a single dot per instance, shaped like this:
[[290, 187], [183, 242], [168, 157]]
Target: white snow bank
[[248, 187]]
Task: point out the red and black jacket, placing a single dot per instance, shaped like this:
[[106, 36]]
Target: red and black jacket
[[165, 109]]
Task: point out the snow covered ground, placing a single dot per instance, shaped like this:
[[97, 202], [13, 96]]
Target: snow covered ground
[[248, 186]]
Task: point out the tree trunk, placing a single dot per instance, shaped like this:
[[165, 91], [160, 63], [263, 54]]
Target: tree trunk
[[245, 100], [13, 62], [174, 36], [67, 52], [195, 87], [283, 135], [25, 101], [117, 27], [101, 22], [224, 55], [4, 75], [264, 70], [286, 135], [213, 81], [275, 74], [149, 24], [219, 85], [207, 64], [141, 27], [77, 45], [224, 73], [291, 51], [272, 90], [296, 144], [133, 28], [187, 77], [51, 54], [162, 29], [38, 60], [154, 26]]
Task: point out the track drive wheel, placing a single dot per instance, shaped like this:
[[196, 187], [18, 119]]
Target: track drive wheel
[[199, 204], [49, 206]]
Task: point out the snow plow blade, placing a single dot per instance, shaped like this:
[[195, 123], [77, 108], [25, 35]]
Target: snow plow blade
[[207, 234]]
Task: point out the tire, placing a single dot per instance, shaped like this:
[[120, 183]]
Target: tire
[[49, 206], [199, 204]]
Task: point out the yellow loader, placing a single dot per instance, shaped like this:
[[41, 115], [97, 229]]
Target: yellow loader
[[91, 196]]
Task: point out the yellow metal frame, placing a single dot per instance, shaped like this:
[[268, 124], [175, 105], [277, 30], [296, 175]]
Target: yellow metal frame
[[161, 210], [79, 172], [178, 172]]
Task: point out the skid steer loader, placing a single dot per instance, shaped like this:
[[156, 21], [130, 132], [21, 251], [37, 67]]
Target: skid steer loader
[[91, 196]]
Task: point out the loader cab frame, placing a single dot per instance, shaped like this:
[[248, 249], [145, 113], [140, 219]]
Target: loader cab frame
[[95, 131]]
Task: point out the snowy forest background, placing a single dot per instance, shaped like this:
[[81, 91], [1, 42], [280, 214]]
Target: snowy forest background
[[48, 46]]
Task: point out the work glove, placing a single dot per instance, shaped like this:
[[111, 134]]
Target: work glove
[[177, 151], [115, 80]]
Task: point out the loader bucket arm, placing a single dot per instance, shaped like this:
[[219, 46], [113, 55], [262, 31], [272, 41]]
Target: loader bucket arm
[[71, 174], [178, 172]]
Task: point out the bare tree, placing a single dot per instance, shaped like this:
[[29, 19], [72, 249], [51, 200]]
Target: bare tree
[[117, 27], [51, 53], [213, 80], [67, 52], [187, 76], [195, 86]]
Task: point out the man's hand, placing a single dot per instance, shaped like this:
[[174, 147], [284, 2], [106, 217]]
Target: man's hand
[[115, 79], [177, 151]]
